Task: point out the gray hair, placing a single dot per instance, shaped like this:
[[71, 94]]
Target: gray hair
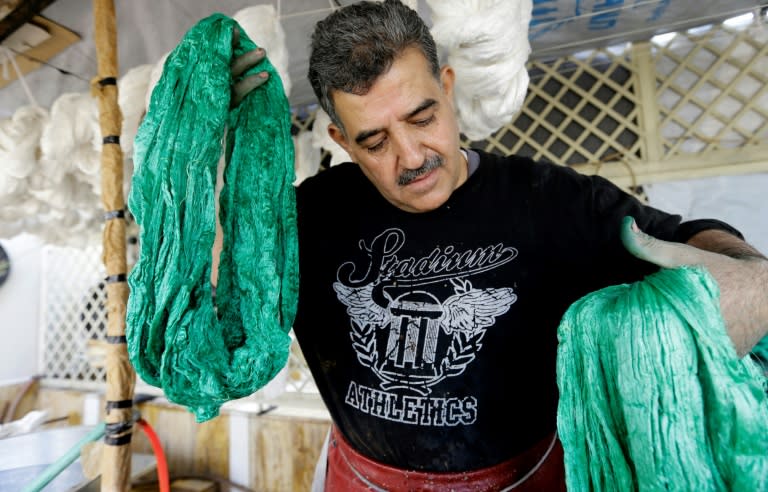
[[356, 44]]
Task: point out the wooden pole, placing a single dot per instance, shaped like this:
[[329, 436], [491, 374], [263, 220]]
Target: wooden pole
[[19, 16], [121, 378]]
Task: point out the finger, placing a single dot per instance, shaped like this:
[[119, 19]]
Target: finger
[[649, 248], [246, 61], [235, 36], [244, 87]]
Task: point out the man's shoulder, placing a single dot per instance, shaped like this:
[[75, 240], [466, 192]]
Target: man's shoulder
[[336, 180], [523, 169]]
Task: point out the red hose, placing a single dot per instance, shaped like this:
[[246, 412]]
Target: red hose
[[157, 448]]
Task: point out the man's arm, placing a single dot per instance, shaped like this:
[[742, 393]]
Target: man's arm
[[740, 271], [718, 241]]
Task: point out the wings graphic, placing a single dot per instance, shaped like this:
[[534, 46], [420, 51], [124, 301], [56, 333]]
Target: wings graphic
[[475, 309], [360, 305]]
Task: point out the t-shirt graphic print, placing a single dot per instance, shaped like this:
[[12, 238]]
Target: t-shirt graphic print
[[413, 336]]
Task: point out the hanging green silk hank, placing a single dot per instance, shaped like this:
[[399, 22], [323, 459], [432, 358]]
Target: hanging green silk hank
[[202, 352], [653, 395]]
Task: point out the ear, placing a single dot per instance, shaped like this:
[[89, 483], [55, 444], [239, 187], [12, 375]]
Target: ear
[[338, 136], [447, 79]]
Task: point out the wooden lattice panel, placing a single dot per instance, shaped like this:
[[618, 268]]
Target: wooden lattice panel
[[73, 317], [711, 89], [302, 119], [579, 110]]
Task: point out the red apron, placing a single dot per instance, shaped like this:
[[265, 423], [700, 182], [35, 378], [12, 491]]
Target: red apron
[[540, 468]]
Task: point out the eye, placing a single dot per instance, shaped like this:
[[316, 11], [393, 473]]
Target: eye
[[425, 121], [376, 147]]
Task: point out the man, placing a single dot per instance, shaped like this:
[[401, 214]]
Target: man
[[433, 277]]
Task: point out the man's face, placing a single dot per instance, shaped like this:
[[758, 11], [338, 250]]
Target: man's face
[[403, 134]]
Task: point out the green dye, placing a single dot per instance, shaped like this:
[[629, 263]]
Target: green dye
[[202, 352], [653, 395]]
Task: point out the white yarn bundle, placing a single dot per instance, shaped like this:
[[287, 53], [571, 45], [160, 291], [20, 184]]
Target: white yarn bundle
[[19, 146], [306, 157], [50, 181], [262, 25], [321, 139], [154, 77], [66, 182], [131, 90], [413, 4], [487, 44], [71, 141]]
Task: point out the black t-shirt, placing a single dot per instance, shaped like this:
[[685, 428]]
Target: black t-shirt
[[432, 336]]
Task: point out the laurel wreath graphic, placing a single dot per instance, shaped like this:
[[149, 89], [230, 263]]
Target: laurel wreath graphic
[[464, 347], [364, 342]]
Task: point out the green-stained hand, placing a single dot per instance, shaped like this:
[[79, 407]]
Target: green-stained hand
[[242, 86], [669, 254]]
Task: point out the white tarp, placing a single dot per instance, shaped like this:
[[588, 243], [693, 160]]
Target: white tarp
[[565, 26]]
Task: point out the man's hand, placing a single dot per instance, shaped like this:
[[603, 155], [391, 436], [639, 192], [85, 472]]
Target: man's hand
[[243, 86], [743, 281]]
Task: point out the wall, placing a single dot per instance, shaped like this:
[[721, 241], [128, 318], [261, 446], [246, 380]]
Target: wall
[[739, 200], [19, 309]]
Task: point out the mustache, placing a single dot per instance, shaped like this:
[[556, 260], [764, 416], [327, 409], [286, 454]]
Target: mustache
[[409, 175]]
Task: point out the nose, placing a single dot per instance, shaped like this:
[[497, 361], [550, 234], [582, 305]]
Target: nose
[[409, 151]]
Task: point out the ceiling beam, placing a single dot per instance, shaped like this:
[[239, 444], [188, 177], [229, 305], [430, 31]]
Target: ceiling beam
[[20, 16]]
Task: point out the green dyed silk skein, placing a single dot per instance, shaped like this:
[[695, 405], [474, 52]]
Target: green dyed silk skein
[[653, 395], [202, 354]]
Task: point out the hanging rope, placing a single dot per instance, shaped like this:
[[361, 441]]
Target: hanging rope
[[653, 395], [203, 354]]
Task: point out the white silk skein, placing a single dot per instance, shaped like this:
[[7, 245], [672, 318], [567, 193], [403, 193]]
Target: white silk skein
[[412, 4], [131, 93], [19, 148], [307, 157], [154, 77], [321, 139], [262, 25], [487, 45], [71, 141]]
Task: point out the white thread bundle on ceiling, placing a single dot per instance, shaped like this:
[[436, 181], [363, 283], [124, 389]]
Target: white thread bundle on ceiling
[[321, 139], [71, 141], [154, 76], [487, 45], [262, 25], [19, 148], [306, 157], [413, 4], [131, 91], [51, 186]]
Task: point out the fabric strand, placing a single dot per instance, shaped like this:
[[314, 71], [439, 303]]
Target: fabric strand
[[653, 395], [203, 353]]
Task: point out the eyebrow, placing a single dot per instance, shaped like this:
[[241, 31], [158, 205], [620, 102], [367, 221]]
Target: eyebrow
[[366, 134]]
